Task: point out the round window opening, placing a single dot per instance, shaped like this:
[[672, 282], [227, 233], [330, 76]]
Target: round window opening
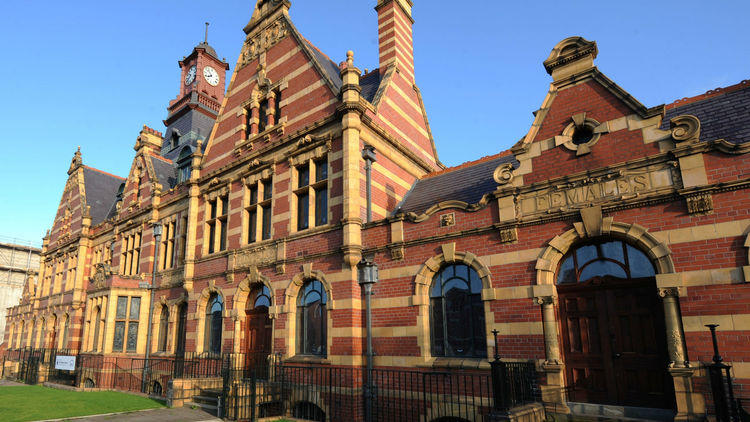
[[582, 135]]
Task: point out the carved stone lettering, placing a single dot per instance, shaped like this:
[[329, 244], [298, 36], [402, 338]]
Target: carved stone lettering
[[597, 190], [258, 257]]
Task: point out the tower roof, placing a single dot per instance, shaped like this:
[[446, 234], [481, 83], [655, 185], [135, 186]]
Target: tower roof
[[209, 50]]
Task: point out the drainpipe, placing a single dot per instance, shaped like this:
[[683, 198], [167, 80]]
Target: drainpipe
[[368, 276], [368, 153], [151, 287]]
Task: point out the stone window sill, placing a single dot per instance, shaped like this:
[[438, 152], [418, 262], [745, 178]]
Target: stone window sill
[[308, 359], [454, 363]]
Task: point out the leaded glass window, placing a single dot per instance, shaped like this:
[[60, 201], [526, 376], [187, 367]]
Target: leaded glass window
[[609, 258], [457, 313], [163, 328], [214, 327], [311, 319], [127, 316], [262, 298]]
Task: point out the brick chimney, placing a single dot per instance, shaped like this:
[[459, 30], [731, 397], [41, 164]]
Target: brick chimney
[[395, 35]]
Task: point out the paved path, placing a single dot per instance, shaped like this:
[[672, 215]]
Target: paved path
[[178, 414], [9, 383]]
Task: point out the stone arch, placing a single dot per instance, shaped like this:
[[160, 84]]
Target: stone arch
[[290, 304], [239, 303], [299, 280], [545, 290], [423, 281], [245, 287], [200, 312], [635, 234]]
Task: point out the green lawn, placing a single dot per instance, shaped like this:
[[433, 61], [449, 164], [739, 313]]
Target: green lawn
[[31, 403]]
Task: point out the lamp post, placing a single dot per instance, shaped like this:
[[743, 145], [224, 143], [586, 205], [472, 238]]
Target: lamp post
[[150, 286], [368, 276], [368, 153]]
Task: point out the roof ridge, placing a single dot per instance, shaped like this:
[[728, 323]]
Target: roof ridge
[[316, 48], [104, 172], [467, 164], [161, 158], [709, 94]]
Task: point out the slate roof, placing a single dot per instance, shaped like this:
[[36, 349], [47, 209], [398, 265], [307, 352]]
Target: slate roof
[[166, 174], [370, 84], [209, 50], [328, 66], [101, 191], [723, 116], [468, 182]]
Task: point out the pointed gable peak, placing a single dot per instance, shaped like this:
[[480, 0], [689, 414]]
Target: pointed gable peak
[[571, 56], [76, 162], [264, 9]]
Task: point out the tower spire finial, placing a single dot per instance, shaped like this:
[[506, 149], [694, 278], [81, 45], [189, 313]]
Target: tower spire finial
[[205, 40]]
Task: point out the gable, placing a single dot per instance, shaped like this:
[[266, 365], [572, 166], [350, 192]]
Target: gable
[[274, 59]]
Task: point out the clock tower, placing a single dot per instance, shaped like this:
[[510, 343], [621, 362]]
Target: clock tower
[[192, 114]]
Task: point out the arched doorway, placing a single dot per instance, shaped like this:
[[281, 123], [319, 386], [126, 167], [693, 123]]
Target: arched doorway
[[612, 327], [258, 330]]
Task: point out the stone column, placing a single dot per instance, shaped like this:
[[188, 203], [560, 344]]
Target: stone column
[[552, 393], [690, 405], [675, 335], [271, 111]]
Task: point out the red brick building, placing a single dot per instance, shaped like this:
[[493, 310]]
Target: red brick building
[[597, 247]]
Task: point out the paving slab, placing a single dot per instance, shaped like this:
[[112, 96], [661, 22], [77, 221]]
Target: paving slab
[[9, 383], [178, 414]]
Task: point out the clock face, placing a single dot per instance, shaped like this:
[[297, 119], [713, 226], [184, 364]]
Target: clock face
[[190, 77], [211, 75]]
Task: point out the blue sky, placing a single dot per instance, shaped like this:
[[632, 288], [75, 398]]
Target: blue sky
[[91, 73]]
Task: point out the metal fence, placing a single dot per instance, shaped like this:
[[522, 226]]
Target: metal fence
[[327, 393], [135, 374]]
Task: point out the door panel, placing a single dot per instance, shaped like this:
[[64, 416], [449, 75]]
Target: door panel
[[258, 336], [614, 343]]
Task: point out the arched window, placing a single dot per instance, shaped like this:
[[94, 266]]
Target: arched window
[[311, 319], [163, 328], [610, 258], [97, 323], [66, 329], [181, 325], [457, 313], [214, 311], [262, 298]]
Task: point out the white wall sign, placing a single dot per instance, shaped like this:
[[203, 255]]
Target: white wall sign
[[65, 363]]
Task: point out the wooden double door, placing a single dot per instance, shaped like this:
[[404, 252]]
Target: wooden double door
[[614, 343]]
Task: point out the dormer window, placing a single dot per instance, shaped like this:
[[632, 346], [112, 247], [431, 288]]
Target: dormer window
[[183, 165]]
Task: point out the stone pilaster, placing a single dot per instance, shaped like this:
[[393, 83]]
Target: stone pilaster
[[351, 110]]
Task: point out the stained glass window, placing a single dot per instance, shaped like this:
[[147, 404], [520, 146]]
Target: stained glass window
[[457, 313]]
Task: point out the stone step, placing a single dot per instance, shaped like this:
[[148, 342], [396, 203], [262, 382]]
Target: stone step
[[606, 412], [206, 399], [213, 410]]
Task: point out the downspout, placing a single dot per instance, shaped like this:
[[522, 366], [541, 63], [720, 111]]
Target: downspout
[[368, 153]]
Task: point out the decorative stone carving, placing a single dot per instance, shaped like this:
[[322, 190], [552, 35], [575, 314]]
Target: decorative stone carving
[[508, 235], [262, 41], [701, 203], [397, 252], [101, 273], [503, 174], [669, 291], [447, 220], [685, 128], [256, 257]]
